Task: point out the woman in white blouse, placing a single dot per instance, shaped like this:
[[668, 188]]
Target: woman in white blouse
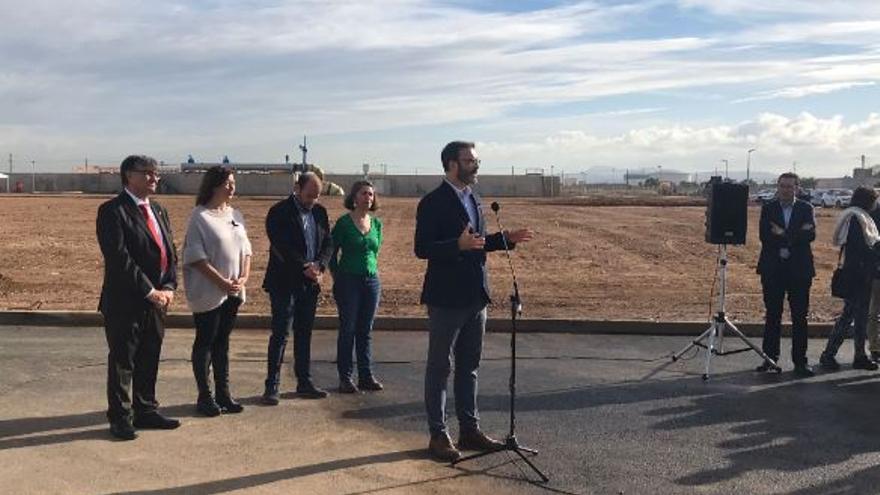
[[217, 261]]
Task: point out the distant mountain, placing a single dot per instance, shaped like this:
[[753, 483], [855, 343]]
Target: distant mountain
[[614, 175]]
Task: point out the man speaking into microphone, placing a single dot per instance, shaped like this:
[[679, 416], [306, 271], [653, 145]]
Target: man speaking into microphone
[[451, 235]]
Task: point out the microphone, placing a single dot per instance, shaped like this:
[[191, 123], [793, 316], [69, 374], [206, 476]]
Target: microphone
[[495, 206]]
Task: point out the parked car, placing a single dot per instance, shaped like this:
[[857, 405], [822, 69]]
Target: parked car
[[805, 195], [816, 196], [839, 198], [762, 196]]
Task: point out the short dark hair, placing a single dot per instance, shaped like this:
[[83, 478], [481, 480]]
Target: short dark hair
[[355, 189], [451, 150], [134, 162], [305, 177], [864, 198], [789, 175], [214, 176]]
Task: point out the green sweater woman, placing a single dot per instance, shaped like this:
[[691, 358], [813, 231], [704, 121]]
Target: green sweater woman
[[357, 237]]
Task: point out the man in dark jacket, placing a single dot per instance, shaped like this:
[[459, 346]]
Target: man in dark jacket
[[140, 262], [787, 228], [451, 235], [300, 250]]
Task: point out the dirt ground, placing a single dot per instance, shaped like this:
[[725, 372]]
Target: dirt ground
[[593, 262]]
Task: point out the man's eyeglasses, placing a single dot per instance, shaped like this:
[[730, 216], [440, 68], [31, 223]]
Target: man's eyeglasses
[[147, 173], [471, 161]]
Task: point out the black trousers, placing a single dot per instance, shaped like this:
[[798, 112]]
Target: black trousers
[[211, 347], [135, 343], [776, 287]]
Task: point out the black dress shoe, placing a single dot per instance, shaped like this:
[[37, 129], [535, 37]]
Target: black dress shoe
[[863, 363], [229, 406], [123, 430], [207, 406], [803, 371], [370, 383], [829, 363], [346, 386], [270, 398], [764, 367], [875, 356], [155, 421], [308, 390]]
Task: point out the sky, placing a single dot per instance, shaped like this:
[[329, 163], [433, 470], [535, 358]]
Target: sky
[[572, 85]]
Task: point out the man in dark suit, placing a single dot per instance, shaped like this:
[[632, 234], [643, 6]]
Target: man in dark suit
[[140, 265], [787, 228], [451, 235], [300, 250]]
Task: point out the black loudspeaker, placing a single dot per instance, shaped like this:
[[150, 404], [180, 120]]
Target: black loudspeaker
[[727, 213]]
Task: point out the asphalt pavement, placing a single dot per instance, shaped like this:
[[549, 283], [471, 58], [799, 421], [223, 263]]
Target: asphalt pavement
[[609, 414]]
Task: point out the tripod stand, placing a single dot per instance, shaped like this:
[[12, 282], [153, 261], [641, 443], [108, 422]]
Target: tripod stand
[[715, 333], [511, 444]]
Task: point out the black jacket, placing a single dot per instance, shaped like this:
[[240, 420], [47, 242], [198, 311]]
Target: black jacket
[[795, 239], [131, 257], [287, 245], [454, 278]]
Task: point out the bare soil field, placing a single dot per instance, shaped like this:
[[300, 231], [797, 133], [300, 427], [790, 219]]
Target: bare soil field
[[615, 262]]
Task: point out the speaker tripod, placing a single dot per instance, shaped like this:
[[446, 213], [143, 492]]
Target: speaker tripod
[[712, 340]]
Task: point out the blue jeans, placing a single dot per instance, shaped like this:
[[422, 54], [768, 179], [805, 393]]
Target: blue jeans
[[291, 308], [357, 299], [458, 330]]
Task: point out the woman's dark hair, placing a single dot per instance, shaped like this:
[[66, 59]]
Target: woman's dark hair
[[215, 176], [355, 189], [864, 198]]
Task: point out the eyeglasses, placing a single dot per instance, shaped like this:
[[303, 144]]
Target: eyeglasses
[[474, 161], [147, 173]]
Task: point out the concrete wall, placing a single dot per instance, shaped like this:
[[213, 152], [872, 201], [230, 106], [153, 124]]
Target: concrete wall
[[280, 184]]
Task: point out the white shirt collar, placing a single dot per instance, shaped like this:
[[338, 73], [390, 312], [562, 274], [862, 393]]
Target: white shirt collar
[[138, 201], [462, 192]]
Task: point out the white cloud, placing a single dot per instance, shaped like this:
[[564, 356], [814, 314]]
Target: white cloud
[[802, 91], [250, 77], [822, 146]]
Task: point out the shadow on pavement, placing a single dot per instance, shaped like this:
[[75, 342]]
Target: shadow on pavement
[[253, 480], [30, 426]]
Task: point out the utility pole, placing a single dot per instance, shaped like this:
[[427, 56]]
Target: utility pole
[[749, 163], [10, 164], [305, 150], [33, 176]]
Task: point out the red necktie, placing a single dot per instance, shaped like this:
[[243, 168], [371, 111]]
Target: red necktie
[[157, 237]]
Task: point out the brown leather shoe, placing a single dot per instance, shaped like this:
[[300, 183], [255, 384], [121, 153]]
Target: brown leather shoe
[[440, 447], [475, 439]]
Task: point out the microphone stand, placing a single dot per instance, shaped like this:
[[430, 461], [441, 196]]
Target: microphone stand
[[511, 444]]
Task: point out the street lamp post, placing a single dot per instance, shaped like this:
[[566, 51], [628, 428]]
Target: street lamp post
[[749, 163], [726, 168], [33, 176]]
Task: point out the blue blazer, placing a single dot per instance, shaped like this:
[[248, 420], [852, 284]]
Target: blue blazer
[[287, 245], [797, 240], [454, 278]]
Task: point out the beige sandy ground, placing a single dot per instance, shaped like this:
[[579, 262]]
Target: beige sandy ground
[[591, 262]]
